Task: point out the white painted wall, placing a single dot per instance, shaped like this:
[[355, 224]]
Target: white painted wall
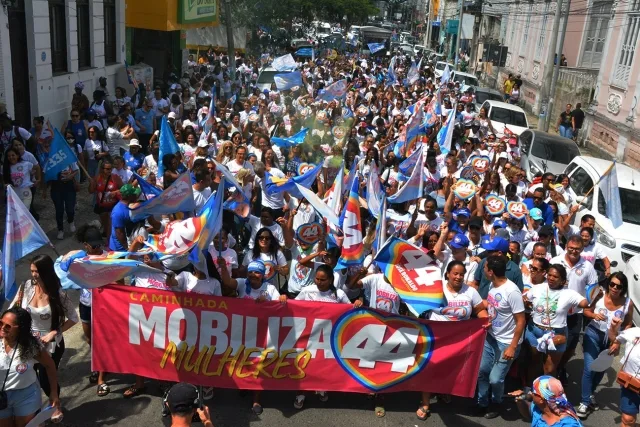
[[51, 95]]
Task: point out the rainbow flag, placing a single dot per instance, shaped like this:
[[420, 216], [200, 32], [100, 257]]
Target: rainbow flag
[[210, 219], [412, 274], [353, 246], [413, 188], [178, 197], [96, 271]]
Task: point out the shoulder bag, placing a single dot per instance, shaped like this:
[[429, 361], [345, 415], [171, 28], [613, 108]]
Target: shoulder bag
[[627, 380]]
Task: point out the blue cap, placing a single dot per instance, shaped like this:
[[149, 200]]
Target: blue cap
[[495, 244], [459, 241], [499, 223], [257, 266], [535, 214], [462, 212], [91, 112]]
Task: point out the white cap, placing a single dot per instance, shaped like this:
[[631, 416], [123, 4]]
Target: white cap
[[157, 133], [172, 115], [134, 143], [203, 143]]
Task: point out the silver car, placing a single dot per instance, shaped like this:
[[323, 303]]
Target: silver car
[[265, 78]]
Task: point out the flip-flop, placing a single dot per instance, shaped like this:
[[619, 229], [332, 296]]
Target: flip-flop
[[132, 392], [103, 390], [57, 419], [257, 409], [425, 414], [380, 412]]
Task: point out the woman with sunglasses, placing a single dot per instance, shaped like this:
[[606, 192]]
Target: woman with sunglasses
[[22, 352], [77, 126], [267, 250], [52, 313], [106, 186], [550, 304], [94, 150], [615, 304], [225, 153]]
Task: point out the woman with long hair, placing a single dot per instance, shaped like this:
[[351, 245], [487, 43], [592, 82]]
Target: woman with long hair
[[271, 162], [20, 174], [295, 157], [94, 150], [106, 186], [225, 154], [52, 313], [371, 159], [40, 132], [22, 352], [267, 250], [170, 163]]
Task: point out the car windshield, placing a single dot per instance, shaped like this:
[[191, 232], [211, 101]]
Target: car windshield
[[466, 80], [487, 96], [440, 66], [267, 76], [508, 117], [630, 203], [322, 30], [547, 149]]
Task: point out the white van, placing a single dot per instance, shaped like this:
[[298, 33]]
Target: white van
[[502, 114], [620, 243], [440, 66]]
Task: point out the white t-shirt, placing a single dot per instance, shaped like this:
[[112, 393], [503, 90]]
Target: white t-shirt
[[312, 293], [234, 167], [381, 294], [593, 252], [21, 373], [255, 225], [151, 280], [267, 290], [230, 257], [201, 197], [299, 275], [21, 174], [151, 165], [305, 214], [551, 306], [579, 276], [91, 146], [631, 351], [187, 282], [124, 174], [273, 201], [116, 141], [158, 105], [460, 306], [270, 262], [503, 302]]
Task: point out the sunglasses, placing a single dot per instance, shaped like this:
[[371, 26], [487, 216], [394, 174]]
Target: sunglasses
[[264, 237], [616, 285], [75, 115], [535, 269], [6, 326]]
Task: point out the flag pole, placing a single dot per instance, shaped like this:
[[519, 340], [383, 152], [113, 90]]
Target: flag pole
[[596, 184], [54, 249]]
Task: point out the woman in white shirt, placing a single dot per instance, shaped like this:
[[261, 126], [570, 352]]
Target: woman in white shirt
[[20, 352], [20, 174], [52, 313], [267, 250], [94, 150], [550, 304], [593, 251]]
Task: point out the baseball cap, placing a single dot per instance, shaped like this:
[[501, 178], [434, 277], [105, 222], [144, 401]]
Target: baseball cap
[[129, 190], [495, 244], [172, 115], [546, 230], [203, 143], [91, 112], [476, 221], [499, 223], [459, 241], [93, 237], [182, 397], [535, 214], [257, 266], [462, 212], [502, 232], [134, 143]]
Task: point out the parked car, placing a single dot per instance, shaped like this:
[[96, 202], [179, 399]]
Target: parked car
[[265, 78], [502, 114], [465, 79], [621, 244], [632, 271], [544, 152], [440, 66], [485, 94]]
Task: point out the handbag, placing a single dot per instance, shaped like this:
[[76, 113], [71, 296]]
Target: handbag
[[625, 379], [4, 400]]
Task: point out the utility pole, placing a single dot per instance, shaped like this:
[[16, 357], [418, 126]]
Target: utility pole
[[231, 51], [427, 41], [548, 70], [556, 69], [456, 56]]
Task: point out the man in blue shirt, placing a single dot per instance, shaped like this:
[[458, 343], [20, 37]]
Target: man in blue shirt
[[495, 246], [460, 222], [537, 201], [133, 158], [145, 116]]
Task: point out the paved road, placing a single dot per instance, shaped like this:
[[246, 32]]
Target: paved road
[[84, 408]]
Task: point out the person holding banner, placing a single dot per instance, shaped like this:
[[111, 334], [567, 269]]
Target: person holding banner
[[21, 352], [254, 287]]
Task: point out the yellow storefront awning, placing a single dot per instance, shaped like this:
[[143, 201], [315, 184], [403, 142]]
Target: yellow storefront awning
[[171, 15]]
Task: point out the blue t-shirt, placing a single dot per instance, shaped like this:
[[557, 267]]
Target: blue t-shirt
[[119, 219], [133, 162], [537, 421], [146, 119], [547, 212]]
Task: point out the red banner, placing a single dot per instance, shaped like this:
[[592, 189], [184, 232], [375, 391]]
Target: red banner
[[238, 343]]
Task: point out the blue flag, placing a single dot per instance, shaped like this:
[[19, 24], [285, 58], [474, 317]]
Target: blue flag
[[286, 81], [274, 185], [296, 139], [168, 144], [304, 51], [611, 195], [375, 47], [284, 63], [413, 188], [446, 133], [178, 197], [210, 218], [61, 156], [22, 236], [147, 189]]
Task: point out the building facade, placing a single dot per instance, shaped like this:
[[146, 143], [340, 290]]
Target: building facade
[[47, 46], [612, 118]]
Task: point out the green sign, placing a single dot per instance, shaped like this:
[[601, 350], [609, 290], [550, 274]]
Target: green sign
[[193, 11], [452, 26]]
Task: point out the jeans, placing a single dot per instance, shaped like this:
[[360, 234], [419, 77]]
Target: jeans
[[493, 371], [566, 131], [593, 343], [574, 325], [63, 195], [42, 372]]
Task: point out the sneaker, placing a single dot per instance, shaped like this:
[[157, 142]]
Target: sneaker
[[583, 410], [323, 396], [60, 235], [72, 227], [492, 412], [298, 403], [593, 403]]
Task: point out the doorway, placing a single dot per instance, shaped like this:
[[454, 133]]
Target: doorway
[[19, 64]]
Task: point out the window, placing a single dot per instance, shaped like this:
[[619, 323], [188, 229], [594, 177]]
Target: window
[[596, 34], [525, 34], [627, 49], [581, 183], [84, 31], [543, 32], [110, 31], [58, 26], [514, 24]]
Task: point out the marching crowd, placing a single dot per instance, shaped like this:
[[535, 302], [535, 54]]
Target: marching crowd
[[534, 276]]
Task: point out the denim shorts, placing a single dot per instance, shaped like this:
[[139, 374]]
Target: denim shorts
[[629, 402], [85, 313], [22, 402], [534, 332]]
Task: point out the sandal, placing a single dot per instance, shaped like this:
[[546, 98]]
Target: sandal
[[323, 395], [132, 392], [103, 390], [298, 403], [380, 412], [56, 419], [423, 413], [93, 378], [257, 409]]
